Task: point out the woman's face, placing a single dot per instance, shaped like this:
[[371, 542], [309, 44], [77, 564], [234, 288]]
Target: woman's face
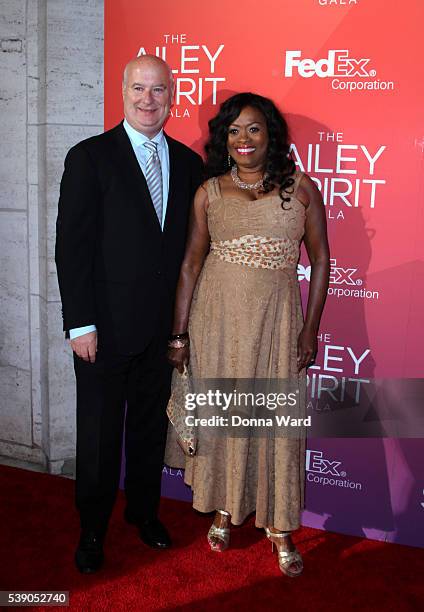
[[248, 138]]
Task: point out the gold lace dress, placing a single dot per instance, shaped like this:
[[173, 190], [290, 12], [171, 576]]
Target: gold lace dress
[[244, 323]]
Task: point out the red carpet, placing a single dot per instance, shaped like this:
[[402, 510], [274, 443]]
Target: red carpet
[[40, 531]]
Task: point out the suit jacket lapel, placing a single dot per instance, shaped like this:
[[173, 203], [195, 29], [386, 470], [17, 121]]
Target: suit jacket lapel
[[131, 170]]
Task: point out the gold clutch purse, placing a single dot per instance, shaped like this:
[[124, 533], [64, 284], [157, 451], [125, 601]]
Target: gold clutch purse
[[177, 413]]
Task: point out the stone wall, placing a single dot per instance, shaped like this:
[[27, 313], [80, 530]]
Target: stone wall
[[51, 96]]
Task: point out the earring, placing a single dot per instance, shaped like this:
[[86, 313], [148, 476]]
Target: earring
[[229, 160]]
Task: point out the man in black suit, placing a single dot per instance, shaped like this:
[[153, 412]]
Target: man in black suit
[[121, 228]]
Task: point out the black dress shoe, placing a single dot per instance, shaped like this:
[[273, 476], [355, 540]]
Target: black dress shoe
[[151, 531], [89, 554]]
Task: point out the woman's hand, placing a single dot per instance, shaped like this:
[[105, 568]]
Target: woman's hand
[[307, 347], [179, 357]]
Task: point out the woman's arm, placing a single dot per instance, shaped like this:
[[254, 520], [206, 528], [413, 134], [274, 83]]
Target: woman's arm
[[197, 247], [316, 244]]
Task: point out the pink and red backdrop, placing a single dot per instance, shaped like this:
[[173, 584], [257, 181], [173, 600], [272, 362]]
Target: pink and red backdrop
[[347, 76]]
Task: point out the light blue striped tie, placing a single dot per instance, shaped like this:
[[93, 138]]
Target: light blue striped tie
[[154, 177]]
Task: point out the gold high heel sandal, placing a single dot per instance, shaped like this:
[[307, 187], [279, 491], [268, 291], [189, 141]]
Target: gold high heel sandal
[[286, 558], [219, 537]]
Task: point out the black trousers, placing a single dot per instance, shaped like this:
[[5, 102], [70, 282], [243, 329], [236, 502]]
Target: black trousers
[[118, 391]]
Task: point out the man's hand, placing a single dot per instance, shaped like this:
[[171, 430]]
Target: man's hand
[[85, 346]]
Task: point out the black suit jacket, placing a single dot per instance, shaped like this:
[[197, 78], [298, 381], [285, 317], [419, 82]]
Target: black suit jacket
[[116, 267]]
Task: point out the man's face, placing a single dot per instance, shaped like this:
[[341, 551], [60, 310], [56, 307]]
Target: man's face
[[147, 95]]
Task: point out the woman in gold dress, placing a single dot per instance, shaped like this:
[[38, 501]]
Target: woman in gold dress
[[238, 313]]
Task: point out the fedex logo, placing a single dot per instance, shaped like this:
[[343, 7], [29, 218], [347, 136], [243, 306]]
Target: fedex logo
[[342, 276], [303, 272], [336, 64], [338, 275], [315, 462]]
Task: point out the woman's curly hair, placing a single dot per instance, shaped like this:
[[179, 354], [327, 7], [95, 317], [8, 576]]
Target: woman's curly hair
[[279, 166]]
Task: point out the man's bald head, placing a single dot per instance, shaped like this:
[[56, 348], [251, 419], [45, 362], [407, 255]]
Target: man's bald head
[[147, 60], [147, 90]]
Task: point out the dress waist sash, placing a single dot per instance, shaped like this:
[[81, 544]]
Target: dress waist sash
[[258, 251]]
